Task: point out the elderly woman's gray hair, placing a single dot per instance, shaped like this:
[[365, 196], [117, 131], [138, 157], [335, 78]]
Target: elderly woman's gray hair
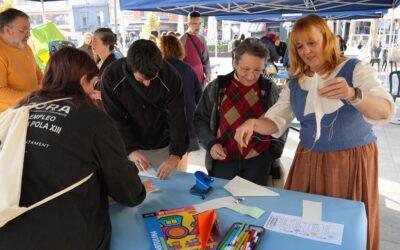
[[252, 46]]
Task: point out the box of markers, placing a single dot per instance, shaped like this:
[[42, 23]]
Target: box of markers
[[241, 236]]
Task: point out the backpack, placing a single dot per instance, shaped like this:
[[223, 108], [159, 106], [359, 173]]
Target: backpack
[[13, 130]]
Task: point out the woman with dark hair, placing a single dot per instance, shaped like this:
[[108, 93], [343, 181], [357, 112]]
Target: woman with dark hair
[[173, 51], [228, 102], [66, 141], [103, 45]]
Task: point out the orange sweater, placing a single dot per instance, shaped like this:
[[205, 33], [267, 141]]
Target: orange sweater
[[19, 74]]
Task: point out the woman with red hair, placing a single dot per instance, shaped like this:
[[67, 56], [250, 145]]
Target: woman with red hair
[[336, 100]]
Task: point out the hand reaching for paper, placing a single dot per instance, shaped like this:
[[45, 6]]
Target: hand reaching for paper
[[140, 160], [167, 167]]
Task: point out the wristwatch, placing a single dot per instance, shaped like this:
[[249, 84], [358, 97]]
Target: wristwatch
[[359, 97]]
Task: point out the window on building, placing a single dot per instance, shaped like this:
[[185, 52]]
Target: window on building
[[100, 18], [84, 19], [363, 27]]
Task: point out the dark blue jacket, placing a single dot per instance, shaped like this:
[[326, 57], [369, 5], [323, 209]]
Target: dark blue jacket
[[192, 90]]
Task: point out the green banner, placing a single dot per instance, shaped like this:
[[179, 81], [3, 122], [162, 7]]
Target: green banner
[[41, 36]]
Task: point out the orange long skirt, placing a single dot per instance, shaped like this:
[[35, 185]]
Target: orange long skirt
[[348, 174]]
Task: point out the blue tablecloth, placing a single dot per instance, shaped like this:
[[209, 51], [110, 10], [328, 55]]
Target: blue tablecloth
[[129, 230]]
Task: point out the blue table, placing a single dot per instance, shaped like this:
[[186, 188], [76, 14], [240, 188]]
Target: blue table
[[129, 230]]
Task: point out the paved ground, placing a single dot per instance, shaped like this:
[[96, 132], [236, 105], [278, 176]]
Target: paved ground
[[389, 168]]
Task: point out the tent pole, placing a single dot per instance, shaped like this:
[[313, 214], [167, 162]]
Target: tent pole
[[43, 15], [123, 33], [391, 36], [115, 18], [216, 38]]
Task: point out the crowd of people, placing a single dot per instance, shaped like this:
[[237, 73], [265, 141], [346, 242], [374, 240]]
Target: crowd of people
[[148, 110]]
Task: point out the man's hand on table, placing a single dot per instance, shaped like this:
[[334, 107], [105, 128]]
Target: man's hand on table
[[168, 166], [140, 160]]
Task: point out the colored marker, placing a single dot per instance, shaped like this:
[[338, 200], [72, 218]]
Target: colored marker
[[229, 237], [240, 236], [245, 238], [237, 233], [252, 236]]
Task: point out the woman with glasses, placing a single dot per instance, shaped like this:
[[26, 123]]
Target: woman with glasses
[[227, 103]]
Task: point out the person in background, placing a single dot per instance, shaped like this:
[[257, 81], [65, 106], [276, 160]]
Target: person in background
[[384, 59], [229, 101], [83, 140], [230, 44], [154, 33], [173, 52], [19, 73], [103, 46], [236, 44], [171, 33], [196, 48], [154, 39], [87, 44], [280, 47], [269, 41], [342, 44], [143, 94], [342, 161]]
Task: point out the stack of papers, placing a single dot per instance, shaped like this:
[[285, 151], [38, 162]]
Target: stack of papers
[[241, 187]]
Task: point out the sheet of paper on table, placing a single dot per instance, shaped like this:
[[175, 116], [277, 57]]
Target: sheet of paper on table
[[241, 187], [294, 225], [215, 204], [230, 203], [150, 172]]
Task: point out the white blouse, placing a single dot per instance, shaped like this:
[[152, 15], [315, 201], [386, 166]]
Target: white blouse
[[365, 77]]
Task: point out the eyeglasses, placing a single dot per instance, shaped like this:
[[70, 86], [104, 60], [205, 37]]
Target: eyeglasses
[[21, 30], [246, 71]]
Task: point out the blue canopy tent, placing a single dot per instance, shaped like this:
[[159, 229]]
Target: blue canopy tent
[[235, 7], [340, 15]]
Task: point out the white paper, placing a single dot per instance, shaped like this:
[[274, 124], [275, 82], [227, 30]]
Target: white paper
[[241, 187], [288, 224], [215, 204], [312, 211], [319, 105], [154, 190], [150, 172]]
